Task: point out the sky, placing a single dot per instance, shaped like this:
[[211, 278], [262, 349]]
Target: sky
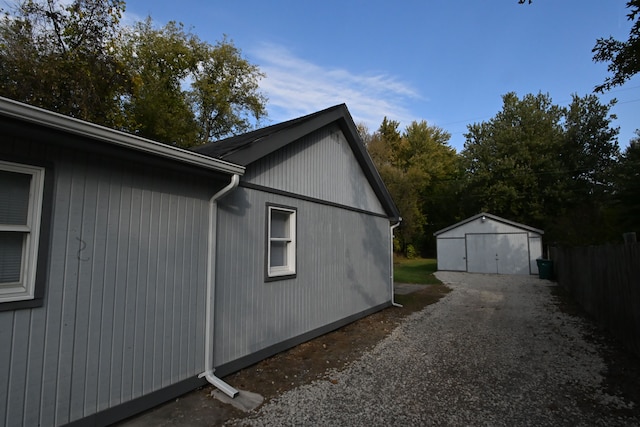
[[446, 62]]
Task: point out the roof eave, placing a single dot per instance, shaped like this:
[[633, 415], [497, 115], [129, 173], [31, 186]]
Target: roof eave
[[46, 118], [369, 168], [279, 139], [282, 134], [494, 217]]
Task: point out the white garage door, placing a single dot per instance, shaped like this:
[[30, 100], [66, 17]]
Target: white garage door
[[498, 253]]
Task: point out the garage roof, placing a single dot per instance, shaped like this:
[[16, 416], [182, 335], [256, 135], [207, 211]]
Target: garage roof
[[493, 217]]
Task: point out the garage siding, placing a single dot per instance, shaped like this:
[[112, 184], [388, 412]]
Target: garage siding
[[486, 243], [452, 254]]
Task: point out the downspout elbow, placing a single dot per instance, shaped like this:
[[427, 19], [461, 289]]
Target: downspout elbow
[[235, 180], [219, 384]]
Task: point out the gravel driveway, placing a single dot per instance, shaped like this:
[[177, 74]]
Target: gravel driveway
[[495, 351]]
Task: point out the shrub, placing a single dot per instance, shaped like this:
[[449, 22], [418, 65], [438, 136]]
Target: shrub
[[411, 252]]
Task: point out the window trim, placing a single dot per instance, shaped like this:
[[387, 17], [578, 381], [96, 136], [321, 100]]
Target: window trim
[[290, 270], [26, 289]]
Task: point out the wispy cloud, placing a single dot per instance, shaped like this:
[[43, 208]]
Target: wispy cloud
[[297, 87]]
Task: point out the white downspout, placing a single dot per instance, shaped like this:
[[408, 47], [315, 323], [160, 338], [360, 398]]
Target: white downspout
[[211, 287], [395, 304]]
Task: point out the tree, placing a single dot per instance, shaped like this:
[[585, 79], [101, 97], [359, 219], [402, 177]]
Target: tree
[[590, 150], [160, 83], [391, 137], [159, 62], [432, 163], [628, 186], [363, 133], [222, 98], [589, 155], [545, 165], [225, 93], [404, 189], [511, 161], [414, 165], [59, 56], [623, 57]]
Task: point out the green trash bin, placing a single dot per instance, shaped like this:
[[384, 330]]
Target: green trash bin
[[545, 268]]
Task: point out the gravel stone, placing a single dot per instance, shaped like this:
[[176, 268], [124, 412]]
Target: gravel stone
[[495, 351]]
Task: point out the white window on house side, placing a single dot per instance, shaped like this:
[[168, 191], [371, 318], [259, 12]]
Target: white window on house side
[[21, 190], [281, 247]]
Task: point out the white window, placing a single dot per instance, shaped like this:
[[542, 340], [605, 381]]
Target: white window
[[21, 189], [281, 246]]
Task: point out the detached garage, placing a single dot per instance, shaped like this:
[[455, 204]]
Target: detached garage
[[486, 243]]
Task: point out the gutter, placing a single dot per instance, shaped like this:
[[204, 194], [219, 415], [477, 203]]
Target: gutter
[[393, 227], [52, 120], [209, 341]]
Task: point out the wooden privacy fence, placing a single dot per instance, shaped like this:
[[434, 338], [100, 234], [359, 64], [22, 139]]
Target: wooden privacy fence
[[605, 281]]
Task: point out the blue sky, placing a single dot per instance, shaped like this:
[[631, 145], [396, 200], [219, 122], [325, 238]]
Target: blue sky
[[446, 62]]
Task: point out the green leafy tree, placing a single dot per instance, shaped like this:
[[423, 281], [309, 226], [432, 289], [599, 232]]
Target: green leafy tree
[[433, 164], [545, 165], [511, 161], [628, 187], [225, 93], [60, 56], [223, 96], [160, 60], [414, 165], [590, 150], [623, 56], [392, 138], [589, 155], [161, 83], [404, 190]]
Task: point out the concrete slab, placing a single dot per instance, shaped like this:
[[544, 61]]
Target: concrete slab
[[194, 409], [245, 400]]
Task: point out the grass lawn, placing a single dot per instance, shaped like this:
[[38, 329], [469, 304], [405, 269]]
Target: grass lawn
[[418, 270]]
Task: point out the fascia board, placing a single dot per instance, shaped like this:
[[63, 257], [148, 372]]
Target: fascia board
[[369, 168], [52, 120], [277, 140], [338, 114], [512, 223], [495, 218]]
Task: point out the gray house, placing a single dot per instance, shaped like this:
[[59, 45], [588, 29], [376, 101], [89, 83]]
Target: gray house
[[487, 243], [132, 272]]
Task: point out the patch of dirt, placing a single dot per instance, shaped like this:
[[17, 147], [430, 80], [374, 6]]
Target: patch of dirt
[[309, 361], [284, 371]]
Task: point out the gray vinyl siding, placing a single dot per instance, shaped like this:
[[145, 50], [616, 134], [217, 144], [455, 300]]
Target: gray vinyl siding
[[343, 268], [123, 313], [124, 305], [320, 165]]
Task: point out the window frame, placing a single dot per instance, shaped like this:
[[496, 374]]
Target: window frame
[[12, 294], [289, 270]]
